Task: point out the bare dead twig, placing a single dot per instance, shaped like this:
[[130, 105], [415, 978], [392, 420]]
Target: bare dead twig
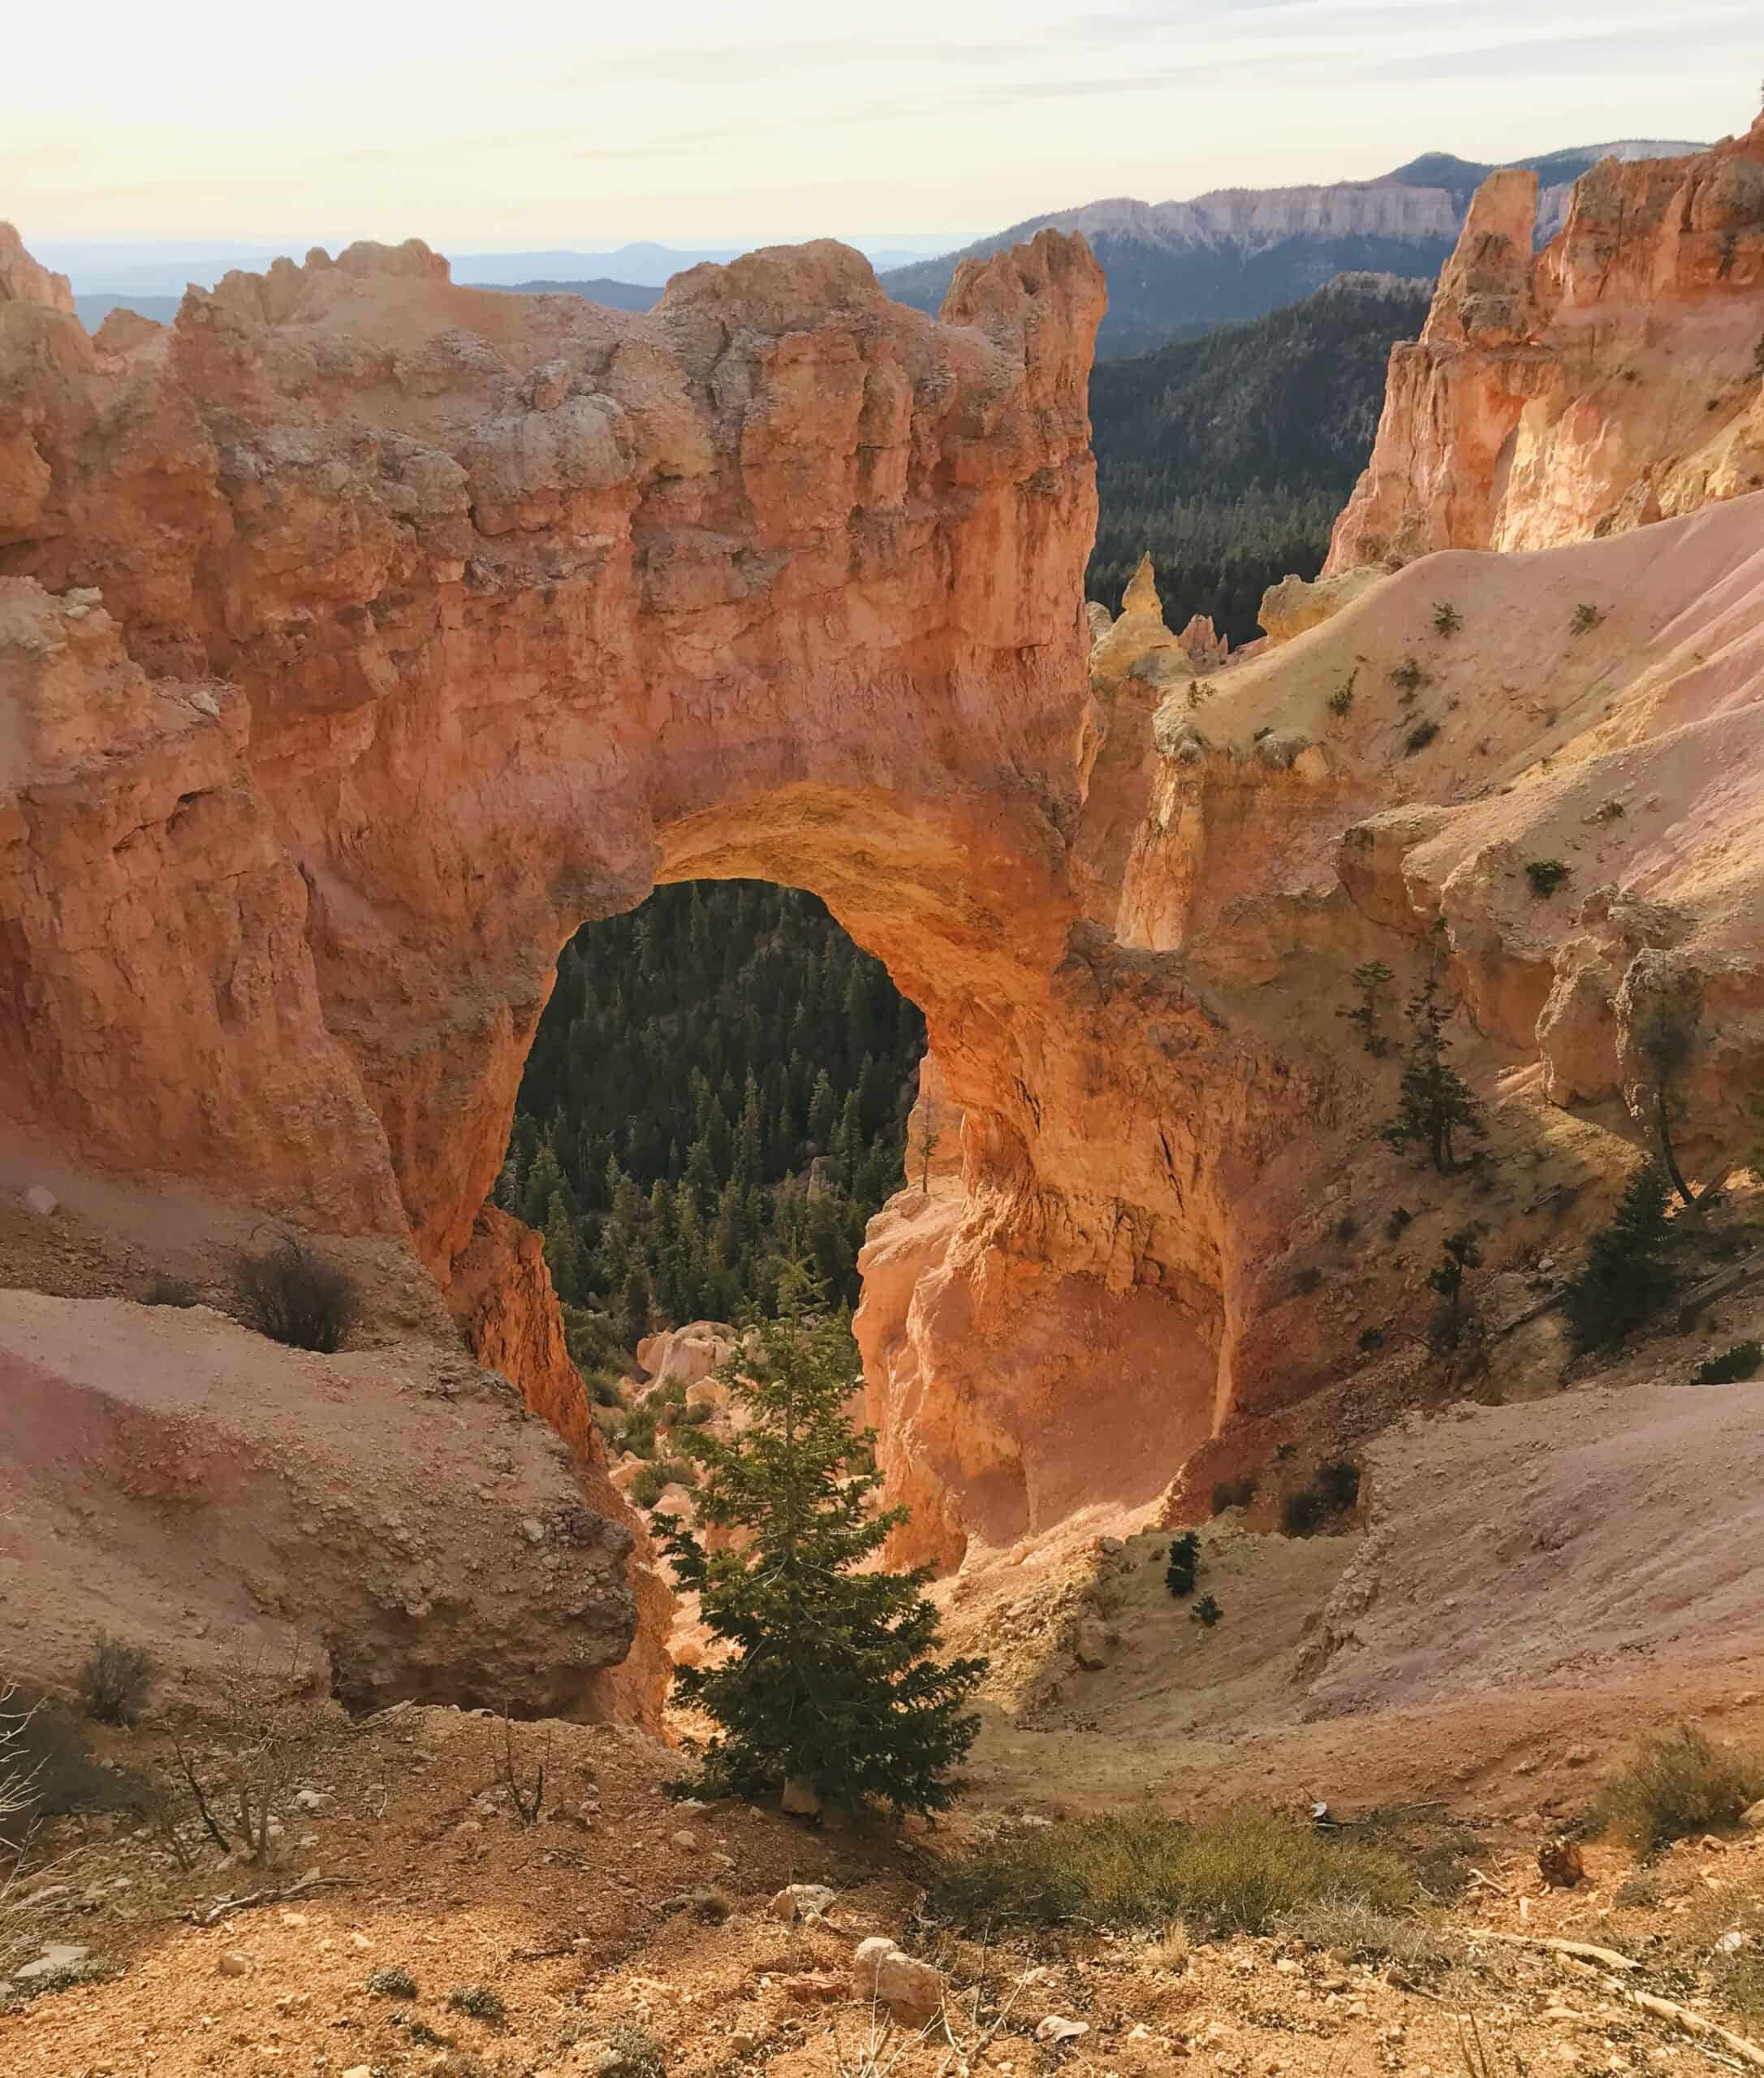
[[252, 1899]]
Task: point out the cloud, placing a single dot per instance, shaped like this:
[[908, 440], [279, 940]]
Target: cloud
[[743, 64]]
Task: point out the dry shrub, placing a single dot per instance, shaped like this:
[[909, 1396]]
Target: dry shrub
[[1357, 1931], [115, 1680], [294, 1295], [264, 1730], [166, 1290], [1679, 1784], [1239, 1872]]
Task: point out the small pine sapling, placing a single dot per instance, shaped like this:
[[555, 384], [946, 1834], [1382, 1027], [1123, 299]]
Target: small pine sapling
[[1435, 1103], [1184, 1560], [833, 1682], [1206, 1612], [1459, 1253], [1372, 977], [1447, 620]]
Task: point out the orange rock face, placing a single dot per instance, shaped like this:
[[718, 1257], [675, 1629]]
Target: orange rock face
[[1609, 380], [360, 635]]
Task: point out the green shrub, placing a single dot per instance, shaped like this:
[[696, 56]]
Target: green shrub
[[1184, 1559], [1679, 1784], [479, 2001], [1342, 698], [1302, 1511], [1419, 737], [630, 2053], [1545, 875], [1370, 1339], [1742, 1361], [295, 1296], [1447, 620], [1239, 1872], [393, 1981], [1234, 1493], [1409, 676], [1587, 619], [1339, 1483], [1207, 1613]]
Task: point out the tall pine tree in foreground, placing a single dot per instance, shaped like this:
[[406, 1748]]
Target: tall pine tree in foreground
[[832, 1683]]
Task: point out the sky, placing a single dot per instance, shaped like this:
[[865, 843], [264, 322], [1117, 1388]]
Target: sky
[[573, 122]]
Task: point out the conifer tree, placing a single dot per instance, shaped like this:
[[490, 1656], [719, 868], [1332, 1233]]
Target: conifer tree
[[1435, 1103], [832, 1682], [1625, 1279]]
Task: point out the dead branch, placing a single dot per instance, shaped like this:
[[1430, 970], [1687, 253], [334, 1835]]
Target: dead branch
[[1583, 1949], [251, 1902]]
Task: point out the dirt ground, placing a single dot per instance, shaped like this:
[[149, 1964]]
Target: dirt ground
[[623, 1907]]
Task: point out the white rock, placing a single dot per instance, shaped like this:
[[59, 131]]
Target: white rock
[[310, 1800], [39, 1199], [1091, 1642], [233, 1964], [803, 1901], [58, 1955], [1056, 2027], [533, 1531], [1753, 1817], [911, 1990]]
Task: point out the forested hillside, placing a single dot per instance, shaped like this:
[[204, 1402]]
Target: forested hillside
[[1229, 456], [719, 1083]]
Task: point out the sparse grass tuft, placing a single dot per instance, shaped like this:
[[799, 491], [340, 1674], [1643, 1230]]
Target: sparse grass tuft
[[1409, 677], [1678, 1784], [1447, 620], [1587, 619], [1240, 1872], [1358, 1931]]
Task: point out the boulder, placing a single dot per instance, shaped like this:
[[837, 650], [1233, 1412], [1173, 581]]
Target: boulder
[[911, 1990]]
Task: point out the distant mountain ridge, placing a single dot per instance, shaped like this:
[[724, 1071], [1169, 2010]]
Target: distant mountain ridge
[[1238, 253]]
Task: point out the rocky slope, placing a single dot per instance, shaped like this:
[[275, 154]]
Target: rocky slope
[[1175, 268], [1612, 379]]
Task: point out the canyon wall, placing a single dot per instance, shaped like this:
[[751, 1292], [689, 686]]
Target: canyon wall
[[360, 635], [1615, 377]]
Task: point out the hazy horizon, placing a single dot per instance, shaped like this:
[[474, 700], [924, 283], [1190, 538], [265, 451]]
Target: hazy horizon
[[534, 132]]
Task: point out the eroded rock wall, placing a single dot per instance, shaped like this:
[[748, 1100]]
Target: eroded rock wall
[[1611, 379]]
